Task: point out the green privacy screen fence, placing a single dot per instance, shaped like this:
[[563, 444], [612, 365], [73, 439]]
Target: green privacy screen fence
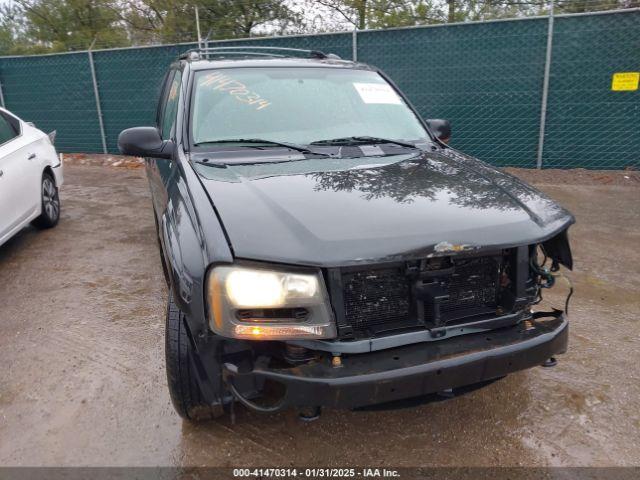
[[488, 78]]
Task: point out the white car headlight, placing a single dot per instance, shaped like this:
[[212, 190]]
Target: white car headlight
[[265, 304]]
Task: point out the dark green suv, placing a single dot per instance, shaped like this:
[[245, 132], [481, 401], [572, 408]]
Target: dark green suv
[[324, 246]]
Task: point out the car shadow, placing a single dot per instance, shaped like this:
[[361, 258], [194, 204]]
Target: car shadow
[[475, 423]]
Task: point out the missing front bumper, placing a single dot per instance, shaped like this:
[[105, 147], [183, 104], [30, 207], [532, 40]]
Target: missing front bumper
[[413, 370]]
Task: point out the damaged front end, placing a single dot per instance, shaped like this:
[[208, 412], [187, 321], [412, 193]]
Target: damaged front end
[[360, 380], [412, 301], [413, 327]]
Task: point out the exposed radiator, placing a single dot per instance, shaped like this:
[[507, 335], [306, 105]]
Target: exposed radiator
[[379, 297]]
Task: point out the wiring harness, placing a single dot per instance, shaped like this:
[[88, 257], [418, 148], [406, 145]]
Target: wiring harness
[[547, 277]]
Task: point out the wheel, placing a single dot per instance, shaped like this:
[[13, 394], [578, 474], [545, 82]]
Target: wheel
[[50, 203], [184, 389]]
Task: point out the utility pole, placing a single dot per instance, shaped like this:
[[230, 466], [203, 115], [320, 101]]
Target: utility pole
[[545, 87], [96, 93], [354, 45], [198, 27]]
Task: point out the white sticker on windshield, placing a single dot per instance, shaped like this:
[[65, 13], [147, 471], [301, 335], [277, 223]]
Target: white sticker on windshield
[[377, 93]]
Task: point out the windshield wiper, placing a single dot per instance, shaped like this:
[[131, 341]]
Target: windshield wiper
[[361, 139], [292, 146]]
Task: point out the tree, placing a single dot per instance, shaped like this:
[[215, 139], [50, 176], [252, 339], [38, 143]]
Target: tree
[[174, 21], [384, 13], [399, 13], [11, 24], [581, 6], [164, 21], [395, 13], [231, 18], [72, 24], [353, 11], [477, 10], [451, 11], [35, 26]]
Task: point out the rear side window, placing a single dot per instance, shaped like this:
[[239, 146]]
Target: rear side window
[[172, 95], [8, 129]]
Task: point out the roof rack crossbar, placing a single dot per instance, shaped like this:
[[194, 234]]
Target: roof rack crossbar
[[241, 52], [284, 49], [206, 52]]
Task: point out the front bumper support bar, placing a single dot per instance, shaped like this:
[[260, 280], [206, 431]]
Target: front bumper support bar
[[414, 370]]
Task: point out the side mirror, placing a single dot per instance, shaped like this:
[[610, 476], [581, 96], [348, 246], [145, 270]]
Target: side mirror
[[440, 128], [144, 142]]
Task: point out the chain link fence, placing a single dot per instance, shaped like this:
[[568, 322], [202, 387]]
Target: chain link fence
[[488, 78], [485, 78], [589, 124]]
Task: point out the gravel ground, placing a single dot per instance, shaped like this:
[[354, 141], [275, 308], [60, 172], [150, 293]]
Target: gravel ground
[[83, 383]]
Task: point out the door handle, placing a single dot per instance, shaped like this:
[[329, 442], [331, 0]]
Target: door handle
[[31, 156], [1, 173]]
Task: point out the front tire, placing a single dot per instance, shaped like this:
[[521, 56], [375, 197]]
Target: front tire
[[184, 389], [50, 203]]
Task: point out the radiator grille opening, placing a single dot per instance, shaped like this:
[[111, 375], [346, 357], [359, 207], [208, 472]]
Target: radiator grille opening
[[472, 289], [377, 298]]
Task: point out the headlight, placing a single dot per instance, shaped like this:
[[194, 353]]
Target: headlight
[[265, 289], [265, 304]]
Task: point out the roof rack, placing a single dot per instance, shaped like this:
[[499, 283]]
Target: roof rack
[[277, 52]]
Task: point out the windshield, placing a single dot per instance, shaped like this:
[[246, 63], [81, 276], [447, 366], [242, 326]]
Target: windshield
[[299, 106]]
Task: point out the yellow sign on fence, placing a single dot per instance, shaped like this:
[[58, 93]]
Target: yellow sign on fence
[[625, 81]]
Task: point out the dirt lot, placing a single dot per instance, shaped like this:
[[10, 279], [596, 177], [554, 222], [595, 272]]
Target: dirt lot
[[82, 380]]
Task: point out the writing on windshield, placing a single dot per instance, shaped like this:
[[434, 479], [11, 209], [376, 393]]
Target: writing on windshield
[[238, 90]]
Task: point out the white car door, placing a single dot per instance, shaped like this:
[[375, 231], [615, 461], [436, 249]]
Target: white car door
[[19, 175]]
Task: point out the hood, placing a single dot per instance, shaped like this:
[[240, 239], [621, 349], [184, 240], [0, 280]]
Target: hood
[[338, 212]]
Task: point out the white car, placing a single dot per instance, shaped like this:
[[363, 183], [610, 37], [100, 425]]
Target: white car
[[30, 176]]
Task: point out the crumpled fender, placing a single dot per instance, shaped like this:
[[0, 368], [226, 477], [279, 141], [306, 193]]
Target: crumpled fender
[[557, 248]]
